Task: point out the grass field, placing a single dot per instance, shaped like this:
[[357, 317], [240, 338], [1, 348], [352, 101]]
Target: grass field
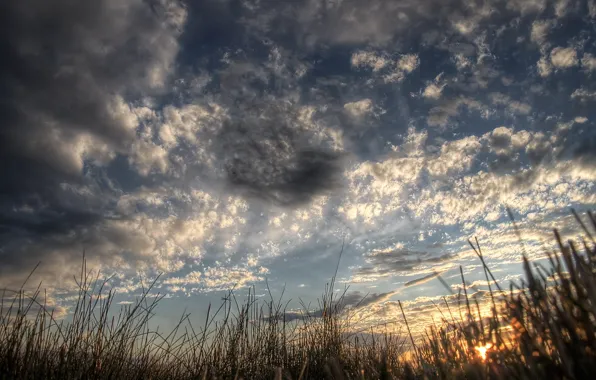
[[543, 327]]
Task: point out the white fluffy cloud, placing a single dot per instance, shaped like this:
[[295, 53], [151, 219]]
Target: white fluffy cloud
[[217, 279], [391, 70], [589, 62], [370, 60], [404, 65], [381, 188], [408, 63], [540, 31], [563, 58], [359, 108], [544, 67], [433, 91], [187, 122], [560, 58]]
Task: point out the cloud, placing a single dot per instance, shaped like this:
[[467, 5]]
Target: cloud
[[440, 115], [189, 123], [505, 166], [565, 7], [527, 6], [33, 301], [540, 31], [218, 278], [351, 302], [391, 70], [379, 189], [514, 106], [461, 61], [107, 243], [563, 58], [149, 231], [353, 22], [405, 65], [148, 157], [454, 157], [583, 94], [559, 58], [393, 262], [357, 299], [369, 59], [544, 67], [408, 63], [66, 80], [192, 278], [592, 8], [433, 91], [422, 279], [588, 62], [503, 140], [269, 156], [153, 146], [359, 108]]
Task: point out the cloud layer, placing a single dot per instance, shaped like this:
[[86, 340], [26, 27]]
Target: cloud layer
[[221, 143]]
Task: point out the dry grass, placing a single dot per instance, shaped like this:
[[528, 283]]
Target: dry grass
[[544, 327]]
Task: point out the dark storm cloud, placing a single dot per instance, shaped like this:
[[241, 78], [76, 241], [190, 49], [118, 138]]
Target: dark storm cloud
[[60, 253], [268, 153], [67, 70], [62, 63], [64, 60]]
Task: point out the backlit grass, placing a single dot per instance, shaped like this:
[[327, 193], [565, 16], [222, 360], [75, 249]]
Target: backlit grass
[[543, 327]]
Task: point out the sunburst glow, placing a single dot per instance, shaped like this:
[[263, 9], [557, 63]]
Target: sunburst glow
[[483, 350]]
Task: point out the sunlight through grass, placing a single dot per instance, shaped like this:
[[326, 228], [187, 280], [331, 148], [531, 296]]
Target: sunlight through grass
[[543, 327], [482, 350]]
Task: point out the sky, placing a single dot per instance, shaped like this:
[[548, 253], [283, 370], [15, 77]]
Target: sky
[[238, 143]]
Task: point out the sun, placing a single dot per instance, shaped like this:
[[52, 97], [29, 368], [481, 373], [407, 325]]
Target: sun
[[482, 350]]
